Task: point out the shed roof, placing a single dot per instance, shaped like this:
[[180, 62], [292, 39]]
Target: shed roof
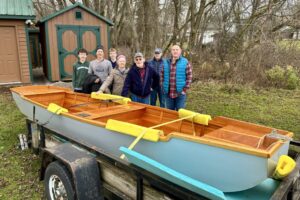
[[78, 4], [16, 9]]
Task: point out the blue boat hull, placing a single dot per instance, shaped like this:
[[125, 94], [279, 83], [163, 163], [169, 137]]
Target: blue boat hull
[[262, 191], [224, 169]]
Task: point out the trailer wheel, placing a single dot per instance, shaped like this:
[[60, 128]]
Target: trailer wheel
[[58, 182]]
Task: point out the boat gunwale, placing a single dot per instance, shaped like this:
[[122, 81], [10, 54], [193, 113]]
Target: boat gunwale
[[165, 138]]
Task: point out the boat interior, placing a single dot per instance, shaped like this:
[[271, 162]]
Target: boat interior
[[221, 129]]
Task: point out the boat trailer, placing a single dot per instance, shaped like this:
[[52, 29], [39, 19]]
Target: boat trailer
[[71, 167]]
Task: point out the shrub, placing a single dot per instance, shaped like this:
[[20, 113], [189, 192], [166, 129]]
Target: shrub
[[283, 77], [293, 79]]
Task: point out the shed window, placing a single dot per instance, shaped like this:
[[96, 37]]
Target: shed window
[[78, 15]]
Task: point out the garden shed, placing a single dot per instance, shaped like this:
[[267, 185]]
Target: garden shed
[[15, 66], [64, 32]]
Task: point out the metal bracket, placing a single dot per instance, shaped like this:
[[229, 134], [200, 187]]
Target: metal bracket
[[274, 134], [23, 141]]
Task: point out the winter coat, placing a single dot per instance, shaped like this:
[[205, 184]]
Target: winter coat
[[133, 82], [89, 84], [116, 79], [80, 72]]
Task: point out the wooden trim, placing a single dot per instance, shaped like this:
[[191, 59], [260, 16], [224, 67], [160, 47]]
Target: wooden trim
[[49, 68], [201, 140], [108, 38], [76, 5], [211, 142], [21, 17], [28, 53], [243, 123], [18, 50], [234, 146]]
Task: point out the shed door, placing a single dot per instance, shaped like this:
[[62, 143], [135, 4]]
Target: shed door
[[70, 40], [9, 60]]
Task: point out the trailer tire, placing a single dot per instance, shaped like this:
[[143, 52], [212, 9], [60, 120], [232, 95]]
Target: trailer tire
[[58, 182]]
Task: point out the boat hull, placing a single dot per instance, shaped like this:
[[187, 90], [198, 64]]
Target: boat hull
[[225, 169]]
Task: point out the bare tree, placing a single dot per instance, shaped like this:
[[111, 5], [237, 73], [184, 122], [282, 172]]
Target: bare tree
[[244, 33]]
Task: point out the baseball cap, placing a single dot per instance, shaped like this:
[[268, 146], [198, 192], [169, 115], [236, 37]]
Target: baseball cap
[[157, 50], [138, 54]]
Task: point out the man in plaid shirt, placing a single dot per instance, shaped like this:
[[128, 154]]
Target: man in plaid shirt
[[176, 79]]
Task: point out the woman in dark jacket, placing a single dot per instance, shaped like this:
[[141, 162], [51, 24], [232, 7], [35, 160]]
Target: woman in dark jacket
[[140, 80]]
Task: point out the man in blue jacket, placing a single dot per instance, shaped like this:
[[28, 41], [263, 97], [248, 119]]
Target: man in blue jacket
[[176, 79], [140, 80], [157, 64]]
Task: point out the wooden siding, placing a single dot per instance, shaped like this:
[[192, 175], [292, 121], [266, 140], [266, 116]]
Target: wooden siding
[[23, 64], [68, 18]]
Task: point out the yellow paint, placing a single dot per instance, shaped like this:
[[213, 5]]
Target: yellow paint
[[166, 138], [133, 130], [141, 135], [284, 167], [52, 107], [115, 98], [265, 153], [198, 118]]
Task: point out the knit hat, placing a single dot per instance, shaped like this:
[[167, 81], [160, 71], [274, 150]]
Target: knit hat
[[121, 56]]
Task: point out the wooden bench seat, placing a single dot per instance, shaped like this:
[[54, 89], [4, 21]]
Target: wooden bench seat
[[225, 134]]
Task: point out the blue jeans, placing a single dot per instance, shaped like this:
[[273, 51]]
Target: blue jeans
[[161, 97], [175, 103], [145, 100]]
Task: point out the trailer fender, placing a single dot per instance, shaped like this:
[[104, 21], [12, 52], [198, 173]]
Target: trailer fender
[[82, 166]]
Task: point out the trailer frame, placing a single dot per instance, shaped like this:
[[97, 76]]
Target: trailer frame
[[81, 149]]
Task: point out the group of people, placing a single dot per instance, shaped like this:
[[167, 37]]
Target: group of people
[[145, 81]]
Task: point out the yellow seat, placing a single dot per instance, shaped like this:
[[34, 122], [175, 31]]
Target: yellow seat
[[284, 167], [133, 130], [115, 98], [196, 117], [52, 107]]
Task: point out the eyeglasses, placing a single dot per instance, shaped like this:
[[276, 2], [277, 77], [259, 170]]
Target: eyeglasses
[[138, 59]]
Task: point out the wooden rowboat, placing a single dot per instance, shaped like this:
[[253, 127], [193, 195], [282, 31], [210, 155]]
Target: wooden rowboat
[[227, 154]]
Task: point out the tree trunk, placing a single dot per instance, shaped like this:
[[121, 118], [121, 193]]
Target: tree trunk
[[38, 8], [131, 14], [61, 4], [177, 6], [97, 6], [53, 5], [102, 7], [86, 3], [196, 21]]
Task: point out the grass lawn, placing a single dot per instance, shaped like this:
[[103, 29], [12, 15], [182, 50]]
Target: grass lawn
[[19, 170], [271, 107]]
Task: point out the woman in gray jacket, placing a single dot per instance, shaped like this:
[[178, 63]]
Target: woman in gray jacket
[[116, 77]]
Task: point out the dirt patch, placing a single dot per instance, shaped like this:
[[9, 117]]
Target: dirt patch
[[3, 183], [4, 89]]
